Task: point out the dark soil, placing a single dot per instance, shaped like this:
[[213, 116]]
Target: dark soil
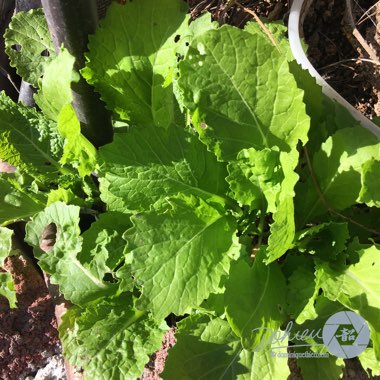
[[337, 54], [157, 361], [28, 334]]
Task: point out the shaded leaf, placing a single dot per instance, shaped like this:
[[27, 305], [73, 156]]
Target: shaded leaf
[[29, 45]]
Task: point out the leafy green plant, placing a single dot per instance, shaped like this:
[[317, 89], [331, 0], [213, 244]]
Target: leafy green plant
[[234, 194]]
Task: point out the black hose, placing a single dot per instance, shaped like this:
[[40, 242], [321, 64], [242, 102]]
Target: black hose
[[70, 22]]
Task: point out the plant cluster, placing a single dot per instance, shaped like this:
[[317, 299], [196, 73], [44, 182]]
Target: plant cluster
[[234, 194]]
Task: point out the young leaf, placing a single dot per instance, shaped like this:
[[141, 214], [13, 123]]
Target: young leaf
[[24, 140], [255, 178], [7, 288], [207, 347], [66, 259], [238, 99], [55, 87], [29, 45], [255, 301], [181, 254], [282, 230], [77, 150], [129, 62], [110, 339], [66, 196], [144, 166]]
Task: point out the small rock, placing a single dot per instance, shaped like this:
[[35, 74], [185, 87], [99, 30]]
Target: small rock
[[54, 370]]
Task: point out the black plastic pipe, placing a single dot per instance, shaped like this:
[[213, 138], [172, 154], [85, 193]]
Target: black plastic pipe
[[70, 22], [7, 73]]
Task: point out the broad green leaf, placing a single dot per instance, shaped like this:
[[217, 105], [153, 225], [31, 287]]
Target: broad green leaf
[[131, 57], [142, 167], [7, 287], [77, 150], [110, 339], [207, 348], [337, 168], [255, 301], [357, 287], [16, 205], [369, 361], [29, 45], [71, 256], [180, 255], [370, 193], [25, 141], [238, 99], [55, 87]]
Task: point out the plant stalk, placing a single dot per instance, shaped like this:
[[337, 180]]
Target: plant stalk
[[70, 22]]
